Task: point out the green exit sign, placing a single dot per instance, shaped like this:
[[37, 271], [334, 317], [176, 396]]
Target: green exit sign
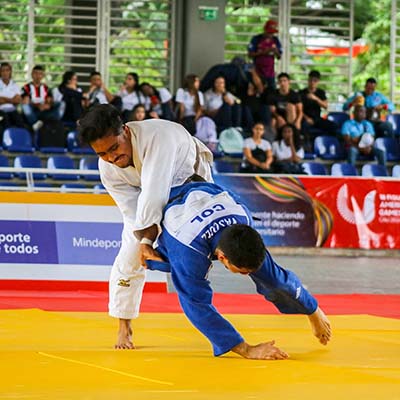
[[208, 13]]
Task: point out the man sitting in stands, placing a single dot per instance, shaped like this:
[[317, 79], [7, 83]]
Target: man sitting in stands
[[37, 100], [285, 104], [358, 135], [375, 103], [9, 98], [313, 99], [99, 94]]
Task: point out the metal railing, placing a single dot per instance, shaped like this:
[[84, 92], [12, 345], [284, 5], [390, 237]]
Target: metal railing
[[30, 180]]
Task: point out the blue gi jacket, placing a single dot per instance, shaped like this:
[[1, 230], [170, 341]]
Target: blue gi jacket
[[193, 221]]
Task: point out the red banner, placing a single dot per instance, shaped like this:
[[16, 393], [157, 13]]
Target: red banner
[[365, 212], [322, 212]]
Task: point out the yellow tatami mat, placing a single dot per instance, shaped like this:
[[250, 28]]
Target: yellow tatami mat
[[63, 355]]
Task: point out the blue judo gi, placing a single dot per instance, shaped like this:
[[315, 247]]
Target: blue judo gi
[[192, 223]]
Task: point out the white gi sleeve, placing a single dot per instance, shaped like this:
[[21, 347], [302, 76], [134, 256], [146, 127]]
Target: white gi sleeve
[[127, 276]]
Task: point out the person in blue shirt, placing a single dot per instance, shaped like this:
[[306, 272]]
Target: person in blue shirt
[[375, 103], [358, 135], [202, 222]]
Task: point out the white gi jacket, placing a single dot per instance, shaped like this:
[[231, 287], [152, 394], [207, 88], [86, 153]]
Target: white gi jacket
[[165, 155]]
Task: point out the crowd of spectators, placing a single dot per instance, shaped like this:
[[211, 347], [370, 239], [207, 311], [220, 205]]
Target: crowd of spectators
[[280, 123]]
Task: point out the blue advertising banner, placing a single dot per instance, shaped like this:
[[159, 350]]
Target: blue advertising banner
[[28, 242], [280, 221], [42, 242], [90, 243]]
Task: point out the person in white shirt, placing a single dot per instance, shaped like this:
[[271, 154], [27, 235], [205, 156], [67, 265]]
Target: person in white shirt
[[99, 94], [132, 156], [257, 152], [160, 100], [222, 106], [131, 95], [10, 97], [190, 102], [287, 151]]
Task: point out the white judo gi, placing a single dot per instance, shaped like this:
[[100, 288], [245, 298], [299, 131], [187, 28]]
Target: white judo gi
[[165, 155]]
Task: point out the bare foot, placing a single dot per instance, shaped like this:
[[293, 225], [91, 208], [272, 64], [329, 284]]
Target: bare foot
[[320, 326], [124, 339]]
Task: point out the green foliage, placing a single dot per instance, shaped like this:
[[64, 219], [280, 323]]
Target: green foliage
[[371, 23], [375, 62], [139, 45], [241, 24], [13, 36]]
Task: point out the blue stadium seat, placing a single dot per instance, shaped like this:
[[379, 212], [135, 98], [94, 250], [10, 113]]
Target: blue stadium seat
[[221, 166], [90, 163], [391, 146], [328, 148], [394, 119], [18, 140], [4, 163], [53, 150], [340, 117], [371, 170], [343, 169], [43, 185], [396, 171], [6, 184], [75, 147], [313, 168], [309, 156], [29, 161], [62, 162]]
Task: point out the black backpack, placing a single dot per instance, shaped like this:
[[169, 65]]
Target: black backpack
[[51, 134]]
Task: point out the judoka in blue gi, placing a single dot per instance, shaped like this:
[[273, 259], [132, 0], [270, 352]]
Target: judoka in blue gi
[[203, 221]]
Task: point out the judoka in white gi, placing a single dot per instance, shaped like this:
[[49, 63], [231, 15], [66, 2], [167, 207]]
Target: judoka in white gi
[[139, 163], [202, 221]]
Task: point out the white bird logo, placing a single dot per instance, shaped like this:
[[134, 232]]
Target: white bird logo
[[358, 215]]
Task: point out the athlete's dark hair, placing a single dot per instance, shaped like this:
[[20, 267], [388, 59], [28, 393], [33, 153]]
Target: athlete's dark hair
[[99, 121], [242, 246]]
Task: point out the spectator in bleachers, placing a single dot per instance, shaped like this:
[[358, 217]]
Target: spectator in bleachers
[[190, 103], [313, 99], [131, 95], [254, 103], [285, 104], [263, 49], [236, 74], [72, 97], [375, 103], [10, 97], [138, 113], [99, 94], [37, 100], [160, 101], [222, 106], [358, 135], [288, 151], [257, 152]]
